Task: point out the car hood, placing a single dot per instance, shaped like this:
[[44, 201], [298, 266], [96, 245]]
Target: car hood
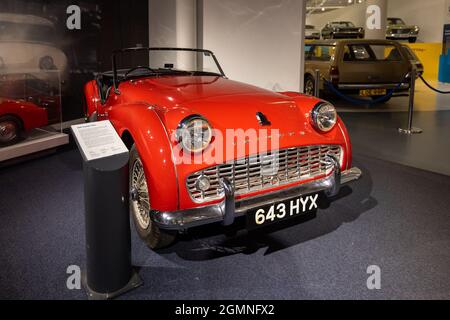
[[177, 90], [226, 104], [347, 28], [400, 26]]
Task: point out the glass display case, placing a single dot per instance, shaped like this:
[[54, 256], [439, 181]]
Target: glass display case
[[30, 109]]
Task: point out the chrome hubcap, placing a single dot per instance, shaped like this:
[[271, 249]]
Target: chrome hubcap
[[139, 197], [8, 131]]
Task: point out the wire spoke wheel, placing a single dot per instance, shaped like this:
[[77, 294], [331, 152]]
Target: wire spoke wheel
[[309, 87], [8, 131], [140, 201]]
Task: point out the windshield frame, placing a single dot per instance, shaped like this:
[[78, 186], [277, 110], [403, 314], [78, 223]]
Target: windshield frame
[[342, 24], [396, 20], [115, 53]]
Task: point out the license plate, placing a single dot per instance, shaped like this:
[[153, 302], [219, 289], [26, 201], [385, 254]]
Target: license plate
[[281, 211], [372, 92]]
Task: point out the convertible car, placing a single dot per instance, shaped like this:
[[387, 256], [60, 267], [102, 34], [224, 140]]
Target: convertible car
[[178, 115]]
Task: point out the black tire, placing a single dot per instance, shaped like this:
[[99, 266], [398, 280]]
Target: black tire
[[10, 130], [412, 40], [152, 235], [386, 99], [310, 85]]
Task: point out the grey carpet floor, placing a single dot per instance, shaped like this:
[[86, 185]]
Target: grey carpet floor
[[396, 217]]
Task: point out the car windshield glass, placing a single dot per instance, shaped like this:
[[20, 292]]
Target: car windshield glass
[[11, 31], [396, 21], [342, 24], [368, 52], [319, 52], [137, 62], [309, 27]]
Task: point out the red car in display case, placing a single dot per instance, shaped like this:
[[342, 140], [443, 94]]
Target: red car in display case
[[206, 149], [17, 117]]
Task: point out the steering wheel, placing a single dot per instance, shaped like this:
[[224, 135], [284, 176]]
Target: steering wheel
[[137, 68]]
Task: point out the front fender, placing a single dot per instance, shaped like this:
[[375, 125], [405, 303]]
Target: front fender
[[152, 142], [92, 98]]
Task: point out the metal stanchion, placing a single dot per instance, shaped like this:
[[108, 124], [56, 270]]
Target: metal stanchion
[[410, 129], [317, 83]]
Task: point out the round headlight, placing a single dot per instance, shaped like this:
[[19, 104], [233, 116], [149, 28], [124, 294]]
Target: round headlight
[[47, 63], [324, 116], [194, 133]]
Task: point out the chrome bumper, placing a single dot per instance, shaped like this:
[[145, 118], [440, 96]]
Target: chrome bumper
[[360, 86], [227, 210]]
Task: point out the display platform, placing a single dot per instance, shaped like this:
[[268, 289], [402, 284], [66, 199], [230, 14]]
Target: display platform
[[38, 140]]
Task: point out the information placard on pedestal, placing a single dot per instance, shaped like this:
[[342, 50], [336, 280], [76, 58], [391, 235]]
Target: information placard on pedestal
[[109, 272]]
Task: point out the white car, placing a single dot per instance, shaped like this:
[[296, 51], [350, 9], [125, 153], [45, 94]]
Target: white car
[[311, 33], [26, 46]]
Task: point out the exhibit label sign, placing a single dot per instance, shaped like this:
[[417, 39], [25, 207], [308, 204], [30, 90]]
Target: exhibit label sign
[[98, 140]]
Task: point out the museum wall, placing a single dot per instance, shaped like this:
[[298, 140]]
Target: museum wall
[[429, 15], [255, 42], [162, 23], [258, 42]]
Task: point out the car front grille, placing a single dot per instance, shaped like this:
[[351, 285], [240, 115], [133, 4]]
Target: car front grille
[[265, 171], [401, 31]]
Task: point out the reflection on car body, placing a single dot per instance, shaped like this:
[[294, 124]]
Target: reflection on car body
[[27, 46]]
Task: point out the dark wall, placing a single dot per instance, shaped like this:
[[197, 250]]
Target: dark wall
[[105, 25]]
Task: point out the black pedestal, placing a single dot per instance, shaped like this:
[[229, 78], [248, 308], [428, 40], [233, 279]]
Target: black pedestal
[[108, 240]]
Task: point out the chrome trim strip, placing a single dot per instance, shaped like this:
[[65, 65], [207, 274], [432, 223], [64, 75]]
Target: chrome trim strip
[[373, 86], [346, 145], [227, 210]]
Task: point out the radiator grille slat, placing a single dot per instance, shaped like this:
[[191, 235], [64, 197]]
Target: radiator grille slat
[[266, 171]]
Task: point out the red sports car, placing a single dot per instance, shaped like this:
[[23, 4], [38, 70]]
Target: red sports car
[[17, 117], [205, 149]]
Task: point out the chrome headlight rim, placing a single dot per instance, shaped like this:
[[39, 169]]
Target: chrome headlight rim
[[185, 126], [317, 117]]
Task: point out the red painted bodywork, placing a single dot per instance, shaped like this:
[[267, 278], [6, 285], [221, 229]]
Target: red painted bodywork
[[30, 115], [150, 110]]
